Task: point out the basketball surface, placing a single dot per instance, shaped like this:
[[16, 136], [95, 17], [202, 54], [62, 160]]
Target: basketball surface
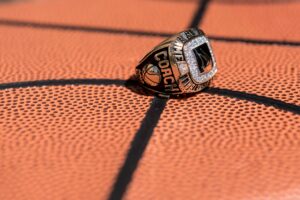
[[73, 127]]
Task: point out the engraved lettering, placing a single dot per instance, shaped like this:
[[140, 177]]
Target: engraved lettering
[[166, 72], [169, 80], [162, 53], [163, 64]]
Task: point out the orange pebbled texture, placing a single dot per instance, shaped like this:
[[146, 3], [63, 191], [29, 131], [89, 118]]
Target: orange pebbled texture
[[65, 142], [71, 127], [214, 147], [115, 14], [35, 54], [256, 20], [262, 70]]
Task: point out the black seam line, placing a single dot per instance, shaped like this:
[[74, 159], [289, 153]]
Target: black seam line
[[197, 19], [266, 101], [89, 29], [138, 146], [62, 82], [253, 41], [145, 132]]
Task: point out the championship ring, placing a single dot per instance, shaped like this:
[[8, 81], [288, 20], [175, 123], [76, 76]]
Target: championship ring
[[183, 63]]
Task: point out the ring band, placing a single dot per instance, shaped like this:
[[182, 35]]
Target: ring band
[[183, 63]]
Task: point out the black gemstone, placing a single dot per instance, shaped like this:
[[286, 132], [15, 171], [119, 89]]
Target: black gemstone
[[203, 56]]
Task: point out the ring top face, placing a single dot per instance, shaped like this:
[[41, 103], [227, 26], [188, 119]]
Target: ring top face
[[181, 64]]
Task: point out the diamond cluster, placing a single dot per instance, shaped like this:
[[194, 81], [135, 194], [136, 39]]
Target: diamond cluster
[[183, 68], [192, 61]]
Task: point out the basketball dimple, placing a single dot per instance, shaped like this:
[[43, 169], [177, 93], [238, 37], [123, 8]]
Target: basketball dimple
[[152, 75]]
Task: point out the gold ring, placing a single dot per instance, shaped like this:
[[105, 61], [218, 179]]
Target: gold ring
[[183, 63]]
